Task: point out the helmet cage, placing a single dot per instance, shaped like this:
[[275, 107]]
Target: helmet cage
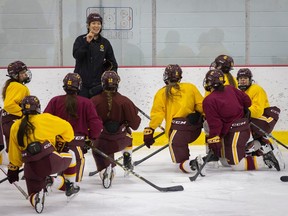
[[15, 68]]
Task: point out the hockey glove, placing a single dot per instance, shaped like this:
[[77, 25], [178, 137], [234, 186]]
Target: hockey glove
[[13, 173], [215, 145], [247, 113], [194, 118], [87, 145], [148, 136], [61, 145]]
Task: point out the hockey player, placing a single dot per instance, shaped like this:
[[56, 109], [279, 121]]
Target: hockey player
[[118, 114], [13, 92], [224, 63], [38, 140], [80, 113], [228, 127], [180, 105], [262, 114]]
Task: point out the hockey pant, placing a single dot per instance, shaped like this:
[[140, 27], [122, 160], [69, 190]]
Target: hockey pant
[[37, 167], [266, 122], [110, 143], [181, 134]]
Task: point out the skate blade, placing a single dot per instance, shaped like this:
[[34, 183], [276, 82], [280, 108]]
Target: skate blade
[[69, 198]]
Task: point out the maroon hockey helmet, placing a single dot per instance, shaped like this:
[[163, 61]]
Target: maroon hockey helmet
[[72, 82], [172, 73], [244, 72], [214, 78], [30, 105], [15, 68], [224, 63], [110, 80], [94, 17]]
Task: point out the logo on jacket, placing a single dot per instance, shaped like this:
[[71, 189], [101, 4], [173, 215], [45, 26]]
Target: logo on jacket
[[102, 48]]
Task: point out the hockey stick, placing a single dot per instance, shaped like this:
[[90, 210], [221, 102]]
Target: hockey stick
[[120, 158], [2, 138], [161, 189], [193, 178], [135, 163], [268, 135], [15, 184]]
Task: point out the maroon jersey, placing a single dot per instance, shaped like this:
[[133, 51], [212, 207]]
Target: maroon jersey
[[221, 108], [88, 122], [123, 109]]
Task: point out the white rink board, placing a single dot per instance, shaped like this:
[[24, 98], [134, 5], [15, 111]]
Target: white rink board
[[141, 84]]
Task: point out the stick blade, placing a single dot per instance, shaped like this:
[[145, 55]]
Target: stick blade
[[93, 173], [171, 189], [284, 178], [193, 178]]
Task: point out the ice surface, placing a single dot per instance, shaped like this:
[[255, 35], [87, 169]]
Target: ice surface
[[221, 192]]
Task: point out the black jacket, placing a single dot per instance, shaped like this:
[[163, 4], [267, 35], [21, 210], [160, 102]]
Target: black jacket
[[90, 58]]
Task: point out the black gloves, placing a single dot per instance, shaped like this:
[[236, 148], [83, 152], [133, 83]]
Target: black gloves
[[247, 113], [87, 145], [148, 136], [13, 173]]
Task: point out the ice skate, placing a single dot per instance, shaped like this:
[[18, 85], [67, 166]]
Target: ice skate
[[274, 158], [107, 176], [196, 164], [49, 183], [71, 189], [127, 162], [38, 201]]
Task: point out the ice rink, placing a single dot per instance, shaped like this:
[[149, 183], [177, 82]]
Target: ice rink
[[221, 192]]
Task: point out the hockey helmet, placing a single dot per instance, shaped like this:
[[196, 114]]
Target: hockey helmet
[[244, 72], [72, 82], [30, 105], [224, 63], [214, 78], [110, 80], [15, 68], [172, 73]]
